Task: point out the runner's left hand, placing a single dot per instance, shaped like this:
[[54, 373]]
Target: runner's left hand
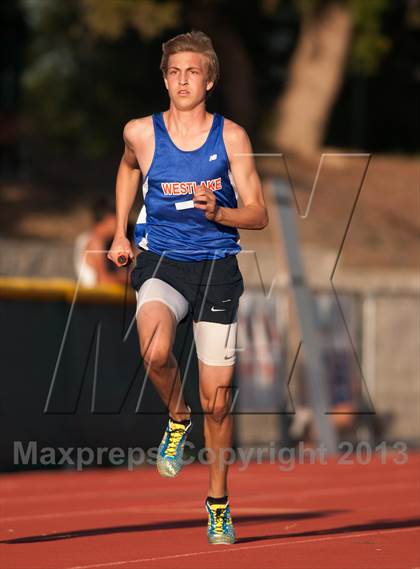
[[206, 200]]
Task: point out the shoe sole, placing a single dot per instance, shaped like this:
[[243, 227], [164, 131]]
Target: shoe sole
[[221, 542], [164, 471]]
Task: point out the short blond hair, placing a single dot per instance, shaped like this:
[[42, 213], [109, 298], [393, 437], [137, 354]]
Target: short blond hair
[[195, 41]]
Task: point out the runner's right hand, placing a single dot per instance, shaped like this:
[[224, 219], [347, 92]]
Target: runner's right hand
[[121, 246]]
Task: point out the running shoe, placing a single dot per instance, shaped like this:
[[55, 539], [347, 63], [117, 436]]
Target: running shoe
[[220, 527], [170, 451]]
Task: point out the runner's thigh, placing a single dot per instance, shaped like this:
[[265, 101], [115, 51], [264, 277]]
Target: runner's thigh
[[159, 309]]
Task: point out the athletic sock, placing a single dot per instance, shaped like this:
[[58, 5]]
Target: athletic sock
[[219, 501], [185, 423]]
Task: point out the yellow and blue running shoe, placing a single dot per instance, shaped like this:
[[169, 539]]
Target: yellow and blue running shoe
[[220, 527], [170, 451]]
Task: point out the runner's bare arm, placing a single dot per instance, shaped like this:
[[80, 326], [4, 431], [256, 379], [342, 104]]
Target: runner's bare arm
[[128, 178], [127, 183], [253, 214]]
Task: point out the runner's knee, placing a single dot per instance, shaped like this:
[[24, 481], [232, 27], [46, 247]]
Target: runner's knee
[[215, 411], [156, 328], [154, 356]]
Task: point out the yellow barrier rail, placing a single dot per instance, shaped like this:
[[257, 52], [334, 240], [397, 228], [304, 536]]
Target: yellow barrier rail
[[23, 288]]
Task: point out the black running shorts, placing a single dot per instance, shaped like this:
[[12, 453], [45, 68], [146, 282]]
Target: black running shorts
[[211, 287]]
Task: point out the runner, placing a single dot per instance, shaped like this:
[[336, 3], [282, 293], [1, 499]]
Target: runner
[[193, 165]]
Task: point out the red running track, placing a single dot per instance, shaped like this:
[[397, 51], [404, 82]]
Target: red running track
[[332, 515]]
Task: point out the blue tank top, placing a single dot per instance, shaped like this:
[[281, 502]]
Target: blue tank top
[[168, 223]]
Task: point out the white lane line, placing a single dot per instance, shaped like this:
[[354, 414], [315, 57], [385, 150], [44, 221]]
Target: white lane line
[[92, 494], [77, 513], [298, 481], [299, 494], [234, 549], [138, 509], [299, 478], [148, 510], [88, 494]]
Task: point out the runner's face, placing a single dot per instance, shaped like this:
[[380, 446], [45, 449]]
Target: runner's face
[[186, 79]]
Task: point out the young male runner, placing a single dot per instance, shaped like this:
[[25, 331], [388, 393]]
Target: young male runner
[[192, 164]]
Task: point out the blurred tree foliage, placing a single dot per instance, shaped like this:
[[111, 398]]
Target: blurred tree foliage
[[369, 42], [92, 63], [111, 18], [335, 36], [87, 66]]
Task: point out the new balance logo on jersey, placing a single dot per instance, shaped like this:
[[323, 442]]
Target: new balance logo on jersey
[[213, 157]]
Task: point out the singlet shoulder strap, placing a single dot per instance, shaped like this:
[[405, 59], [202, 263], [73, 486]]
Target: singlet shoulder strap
[[218, 120], [216, 130], [218, 134], [159, 125]]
